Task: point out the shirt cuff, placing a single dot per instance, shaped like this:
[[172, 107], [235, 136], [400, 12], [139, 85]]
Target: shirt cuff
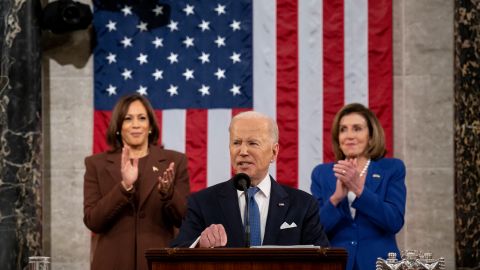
[[194, 244]]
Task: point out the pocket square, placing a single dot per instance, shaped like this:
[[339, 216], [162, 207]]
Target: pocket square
[[376, 175], [285, 225]]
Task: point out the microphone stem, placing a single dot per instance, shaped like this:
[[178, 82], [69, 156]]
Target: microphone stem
[[247, 221]]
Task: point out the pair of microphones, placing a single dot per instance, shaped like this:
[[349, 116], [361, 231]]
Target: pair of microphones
[[242, 182]]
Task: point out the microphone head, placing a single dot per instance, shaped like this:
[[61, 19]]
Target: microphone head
[[241, 181]]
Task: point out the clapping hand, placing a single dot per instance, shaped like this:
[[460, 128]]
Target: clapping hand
[[165, 181], [129, 168]]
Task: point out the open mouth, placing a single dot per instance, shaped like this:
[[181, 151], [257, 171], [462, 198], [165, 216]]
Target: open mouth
[[244, 164]]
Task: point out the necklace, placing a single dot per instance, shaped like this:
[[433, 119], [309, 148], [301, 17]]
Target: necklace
[[364, 170]]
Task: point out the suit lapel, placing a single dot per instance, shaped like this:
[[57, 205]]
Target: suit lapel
[[155, 165], [277, 210], [113, 168], [228, 200], [374, 176]]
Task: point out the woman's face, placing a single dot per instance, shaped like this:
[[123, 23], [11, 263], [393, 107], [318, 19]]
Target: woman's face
[[135, 126], [353, 135]]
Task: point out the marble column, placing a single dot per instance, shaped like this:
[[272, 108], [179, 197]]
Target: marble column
[[467, 134], [20, 134]]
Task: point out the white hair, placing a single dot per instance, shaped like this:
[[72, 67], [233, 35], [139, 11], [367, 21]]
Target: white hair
[[272, 125]]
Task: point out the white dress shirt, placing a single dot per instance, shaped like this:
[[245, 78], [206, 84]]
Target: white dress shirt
[[263, 200]]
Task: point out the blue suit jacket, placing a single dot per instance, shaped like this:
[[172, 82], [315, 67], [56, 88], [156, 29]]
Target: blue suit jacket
[[219, 205], [379, 215]]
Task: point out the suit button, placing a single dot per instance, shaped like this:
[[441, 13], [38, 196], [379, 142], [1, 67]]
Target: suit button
[[353, 243], [141, 214]]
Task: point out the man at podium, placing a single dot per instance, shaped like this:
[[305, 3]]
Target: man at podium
[[276, 214]]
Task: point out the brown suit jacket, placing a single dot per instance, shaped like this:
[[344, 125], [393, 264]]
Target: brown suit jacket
[[122, 230]]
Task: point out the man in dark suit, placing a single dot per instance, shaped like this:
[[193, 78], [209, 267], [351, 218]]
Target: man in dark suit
[[287, 216]]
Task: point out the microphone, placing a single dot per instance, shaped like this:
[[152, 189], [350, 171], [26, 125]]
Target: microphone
[[242, 181]]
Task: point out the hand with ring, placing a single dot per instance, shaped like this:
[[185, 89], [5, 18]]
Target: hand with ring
[[346, 172]]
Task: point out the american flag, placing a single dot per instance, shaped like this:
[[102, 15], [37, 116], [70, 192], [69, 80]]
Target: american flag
[[201, 62]]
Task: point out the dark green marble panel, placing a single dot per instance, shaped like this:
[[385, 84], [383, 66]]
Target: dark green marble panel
[[467, 134], [20, 134]]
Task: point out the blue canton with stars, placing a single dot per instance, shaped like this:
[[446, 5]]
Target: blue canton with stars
[[201, 58]]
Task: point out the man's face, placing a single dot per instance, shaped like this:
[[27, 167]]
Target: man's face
[[252, 147]]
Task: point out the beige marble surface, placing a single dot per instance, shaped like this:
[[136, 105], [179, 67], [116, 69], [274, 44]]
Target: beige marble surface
[[423, 93]]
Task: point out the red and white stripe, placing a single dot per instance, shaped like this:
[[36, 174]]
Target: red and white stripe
[[310, 58]]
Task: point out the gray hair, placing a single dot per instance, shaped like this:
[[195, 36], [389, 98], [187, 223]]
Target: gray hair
[[272, 125]]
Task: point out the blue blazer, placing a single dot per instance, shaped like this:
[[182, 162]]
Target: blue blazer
[[219, 205], [379, 214]]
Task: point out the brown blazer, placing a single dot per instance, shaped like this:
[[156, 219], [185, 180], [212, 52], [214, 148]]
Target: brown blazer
[[122, 230]]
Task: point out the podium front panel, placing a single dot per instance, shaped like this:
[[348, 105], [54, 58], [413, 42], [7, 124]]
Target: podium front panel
[[246, 258]]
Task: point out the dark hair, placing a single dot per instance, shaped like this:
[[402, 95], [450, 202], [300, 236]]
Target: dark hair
[[114, 138], [376, 144]]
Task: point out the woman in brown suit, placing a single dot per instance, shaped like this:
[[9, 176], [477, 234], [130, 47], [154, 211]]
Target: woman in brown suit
[[135, 193]]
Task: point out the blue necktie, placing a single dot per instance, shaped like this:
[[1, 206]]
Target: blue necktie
[[254, 217]]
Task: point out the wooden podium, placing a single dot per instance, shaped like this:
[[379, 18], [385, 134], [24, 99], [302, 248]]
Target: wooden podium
[[246, 258]]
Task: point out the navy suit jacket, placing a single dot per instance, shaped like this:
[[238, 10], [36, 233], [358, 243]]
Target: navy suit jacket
[[379, 214], [219, 205]]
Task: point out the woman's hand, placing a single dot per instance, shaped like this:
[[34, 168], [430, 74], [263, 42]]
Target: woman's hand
[[340, 193], [129, 169], [165, 181], [346, 172]]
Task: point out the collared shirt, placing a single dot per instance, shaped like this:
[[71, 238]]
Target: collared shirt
[[263, 200]]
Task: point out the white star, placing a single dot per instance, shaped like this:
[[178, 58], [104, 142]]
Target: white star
[[172, 90], [188, 74], [220, 41], [158, 10], [111, 90], [142, 90], [127, 10], [220, 74], [173, 58], [188, 41], [142, 59], [235, 25], [188, 9], [142, 26], [220, 9], [204, 90], [158, 74], [173, 25], [158, 42], [127, 42], [204, 57], [127, 74], [204, 25], [112, 58], [112, 26], [235, 90], [235, 57]]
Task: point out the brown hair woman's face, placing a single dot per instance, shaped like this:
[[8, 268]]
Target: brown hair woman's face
[[353, 135], [135, 126]]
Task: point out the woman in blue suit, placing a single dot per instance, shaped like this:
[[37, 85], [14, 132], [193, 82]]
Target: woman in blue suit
[[362, 195]]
